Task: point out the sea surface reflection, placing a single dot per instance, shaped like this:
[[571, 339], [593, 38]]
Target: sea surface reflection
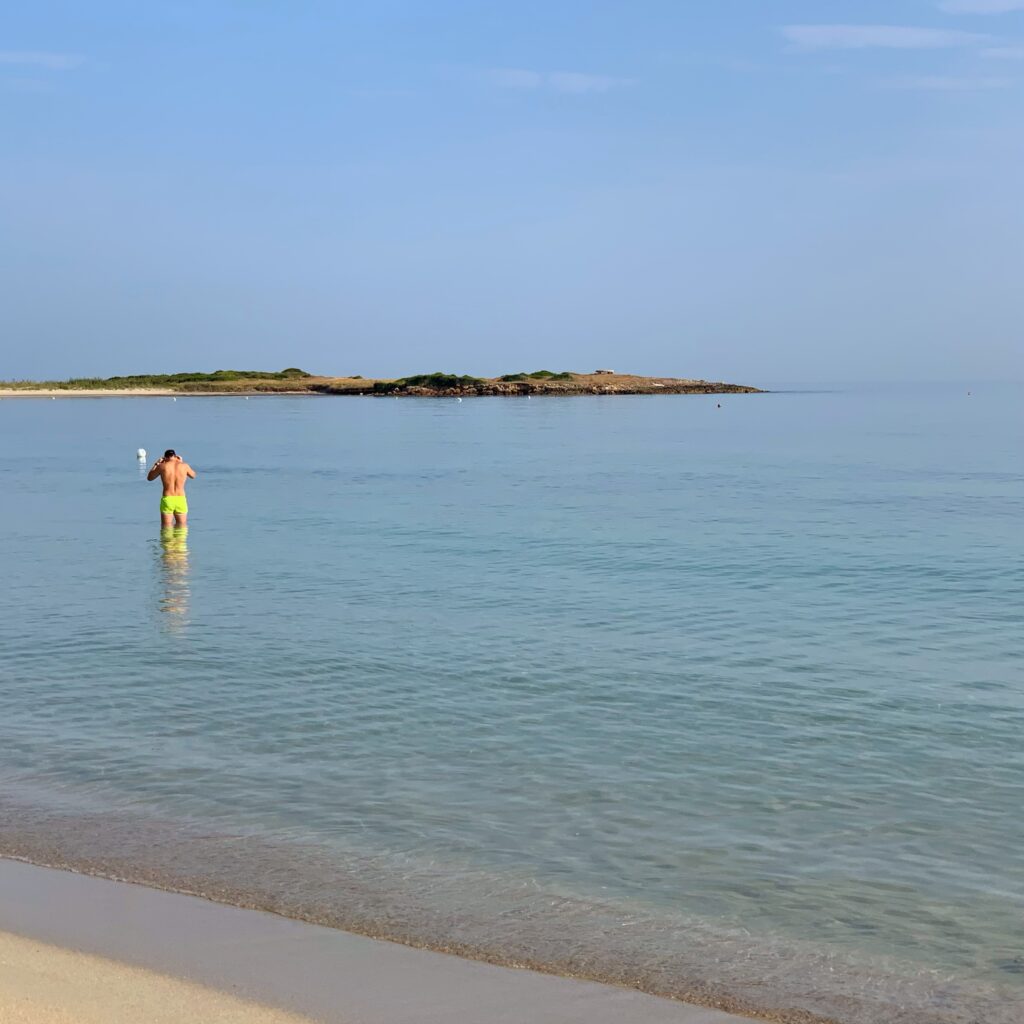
[[175, 591]]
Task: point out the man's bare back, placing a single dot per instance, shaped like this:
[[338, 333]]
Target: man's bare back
[[173, 472]]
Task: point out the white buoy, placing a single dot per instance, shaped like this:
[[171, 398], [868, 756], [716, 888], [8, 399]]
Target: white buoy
[[141, 453], [458, 399], [173, 399]]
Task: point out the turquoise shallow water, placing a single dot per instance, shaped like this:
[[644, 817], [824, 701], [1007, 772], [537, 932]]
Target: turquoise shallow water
[[706, 698]]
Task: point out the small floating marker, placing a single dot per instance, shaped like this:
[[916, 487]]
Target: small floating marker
[[458, 399], [173, 399], [141, 455]]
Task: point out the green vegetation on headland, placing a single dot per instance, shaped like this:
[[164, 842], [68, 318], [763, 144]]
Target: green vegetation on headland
[[296, 381], [430, 381], [159, 380], [537, 375], [445, 381]]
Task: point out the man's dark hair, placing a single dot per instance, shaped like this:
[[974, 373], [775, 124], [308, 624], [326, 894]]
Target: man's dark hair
[[170, 453]]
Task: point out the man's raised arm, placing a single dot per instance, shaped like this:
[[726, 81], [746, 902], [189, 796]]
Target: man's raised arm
[[155, 471], [190, 472]]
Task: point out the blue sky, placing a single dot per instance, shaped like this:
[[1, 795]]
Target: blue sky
[[749, 190]]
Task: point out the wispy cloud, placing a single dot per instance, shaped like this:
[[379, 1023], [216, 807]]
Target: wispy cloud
[[574, 82], [40, 59], [1004, 52], [943, 83], [861, 37], [981, 6]]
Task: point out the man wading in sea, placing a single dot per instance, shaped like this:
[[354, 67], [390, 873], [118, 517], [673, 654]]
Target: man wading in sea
[[173, 472]]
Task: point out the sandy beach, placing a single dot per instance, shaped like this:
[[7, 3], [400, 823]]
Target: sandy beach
[[98, 393], [42, 984], [81, 950]]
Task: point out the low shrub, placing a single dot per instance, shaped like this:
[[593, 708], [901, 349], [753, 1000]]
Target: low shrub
[[142, 380], [440, 381], [537, 375]]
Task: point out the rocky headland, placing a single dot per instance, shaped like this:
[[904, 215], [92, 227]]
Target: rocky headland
[[430, 385]]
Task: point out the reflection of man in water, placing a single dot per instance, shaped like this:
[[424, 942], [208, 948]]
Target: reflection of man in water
[[174, 555], [173, 471]]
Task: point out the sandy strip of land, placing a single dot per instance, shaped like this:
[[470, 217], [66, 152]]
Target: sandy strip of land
[[42, 984], [321, 974], [144, 393], [98, 393]]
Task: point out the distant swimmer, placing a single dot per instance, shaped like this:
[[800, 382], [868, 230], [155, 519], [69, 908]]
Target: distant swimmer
[[173, 472]]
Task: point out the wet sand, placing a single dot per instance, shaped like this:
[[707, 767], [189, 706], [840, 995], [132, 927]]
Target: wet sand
[[76, 945]]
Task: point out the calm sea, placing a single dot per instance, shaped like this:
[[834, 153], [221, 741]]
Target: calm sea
[[719, 701]]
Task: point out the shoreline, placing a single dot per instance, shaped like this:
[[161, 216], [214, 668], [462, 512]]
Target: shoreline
[[356, 898], [139, 393], [43, 393], [467, 916], [93, 932], [436, 385]]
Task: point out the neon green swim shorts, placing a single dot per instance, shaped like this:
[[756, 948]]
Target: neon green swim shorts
[[174, 504]]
